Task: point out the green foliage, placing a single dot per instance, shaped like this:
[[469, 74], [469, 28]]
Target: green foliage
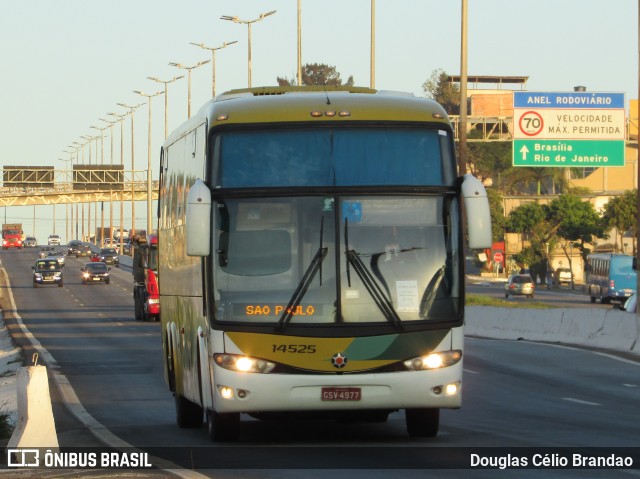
[[490, 159], [482, 300], [317, 74], [6, 426], [525, 218], [621, 213], [578, 223], [526, 179], [498, 220], [441, 89]]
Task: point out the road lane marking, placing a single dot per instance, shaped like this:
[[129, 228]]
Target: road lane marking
[[470, 371], [630, 385], [580, 401]]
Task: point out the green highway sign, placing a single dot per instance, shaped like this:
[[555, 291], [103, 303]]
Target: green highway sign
[[568, 129], [568, 153]]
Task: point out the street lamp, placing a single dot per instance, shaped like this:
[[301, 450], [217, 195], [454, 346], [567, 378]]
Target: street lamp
[[372, 64], [67, 231], [299, 43], [110, 190], [213, 61], [184, 67], [121, 120], [166, 82], [149, 189], [248, 23], [101, 143], [133, 174]]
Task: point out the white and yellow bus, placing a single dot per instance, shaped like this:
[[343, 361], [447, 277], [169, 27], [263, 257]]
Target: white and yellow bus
[[311, 258]]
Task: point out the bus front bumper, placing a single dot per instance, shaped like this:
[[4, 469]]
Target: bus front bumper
[[240, 392]]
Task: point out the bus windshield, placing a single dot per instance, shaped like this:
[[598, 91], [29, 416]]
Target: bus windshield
[[351, 259], [323, 156]]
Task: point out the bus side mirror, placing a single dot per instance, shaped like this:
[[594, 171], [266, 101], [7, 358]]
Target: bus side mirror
[[476, 205], [198, 220]]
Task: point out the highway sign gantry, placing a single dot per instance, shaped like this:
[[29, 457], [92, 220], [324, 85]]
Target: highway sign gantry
[[568, 129]]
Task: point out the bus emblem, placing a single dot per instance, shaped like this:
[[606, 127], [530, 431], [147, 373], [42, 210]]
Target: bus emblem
[[339, 360]]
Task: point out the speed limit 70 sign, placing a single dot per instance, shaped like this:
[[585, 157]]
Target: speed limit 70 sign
[[530, 123]]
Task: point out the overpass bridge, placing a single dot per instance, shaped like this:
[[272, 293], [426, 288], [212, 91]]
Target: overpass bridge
[[60, 187]]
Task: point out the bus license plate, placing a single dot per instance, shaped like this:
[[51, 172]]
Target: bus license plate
[[341, 394]]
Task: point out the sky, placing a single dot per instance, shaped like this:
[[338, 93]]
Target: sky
[[67, 63]]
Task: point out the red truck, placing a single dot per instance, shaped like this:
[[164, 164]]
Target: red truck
[[12, 236], [146, 294]]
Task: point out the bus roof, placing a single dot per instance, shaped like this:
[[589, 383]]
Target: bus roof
[[313, 104]]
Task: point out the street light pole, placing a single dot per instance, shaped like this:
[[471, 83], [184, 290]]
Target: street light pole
[[462, 153], [133, 171], [235, 19], [110, 190], [373, 45], [299, 43], [149, 189], [66, 206], [213, 61], [166, 82], [121, 120], [189, 69]]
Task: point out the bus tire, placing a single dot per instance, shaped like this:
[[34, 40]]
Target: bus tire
[[593, 299], [188, 414], [422, 422], [223, 427]]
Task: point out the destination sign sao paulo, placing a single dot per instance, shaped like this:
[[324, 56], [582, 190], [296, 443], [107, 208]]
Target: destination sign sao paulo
[[568, 129]]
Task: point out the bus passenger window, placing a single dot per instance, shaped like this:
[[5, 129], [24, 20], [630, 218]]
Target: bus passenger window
[[255, 252]]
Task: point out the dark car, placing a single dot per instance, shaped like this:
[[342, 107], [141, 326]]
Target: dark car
[[95, 273], [108, 256], [46, 251], [30, 242], [84, 249], [47, 271], [72, 247]]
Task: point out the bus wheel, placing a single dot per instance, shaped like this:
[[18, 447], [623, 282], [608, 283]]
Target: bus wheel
[[223, 427], [593, 299], [188, 414], [423, 422]]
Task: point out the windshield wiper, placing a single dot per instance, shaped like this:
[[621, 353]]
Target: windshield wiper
[[382, 301], [305, 282]]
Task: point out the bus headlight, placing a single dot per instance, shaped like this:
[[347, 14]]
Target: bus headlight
[[245, 364], [441, 359]]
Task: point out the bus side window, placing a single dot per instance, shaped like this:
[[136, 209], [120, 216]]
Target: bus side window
[[255, 252]]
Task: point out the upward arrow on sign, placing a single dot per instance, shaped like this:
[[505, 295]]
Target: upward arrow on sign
[[524, 150]]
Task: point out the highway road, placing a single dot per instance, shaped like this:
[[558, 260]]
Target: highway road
[[516, 394]]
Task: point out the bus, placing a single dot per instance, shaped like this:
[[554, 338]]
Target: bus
[[610, 276], [311, 258]]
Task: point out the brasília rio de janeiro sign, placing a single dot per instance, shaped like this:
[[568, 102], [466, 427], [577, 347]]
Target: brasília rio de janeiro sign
[[568, 129]]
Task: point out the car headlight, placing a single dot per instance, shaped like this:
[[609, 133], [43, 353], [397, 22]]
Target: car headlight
[[245, 364], [57, 275], [38, 275], [440, 359], [86, 275]]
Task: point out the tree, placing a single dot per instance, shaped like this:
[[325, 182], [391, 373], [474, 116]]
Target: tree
[[490, 160], [620, 213], [498, 220], [317, 74], [545, 179], [578, 224], [530, 220], [440, 88]]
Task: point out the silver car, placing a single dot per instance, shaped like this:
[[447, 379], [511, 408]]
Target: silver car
[[520, 285]]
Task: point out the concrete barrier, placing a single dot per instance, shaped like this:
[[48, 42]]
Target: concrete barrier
[[35, 426], [597, 328]]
